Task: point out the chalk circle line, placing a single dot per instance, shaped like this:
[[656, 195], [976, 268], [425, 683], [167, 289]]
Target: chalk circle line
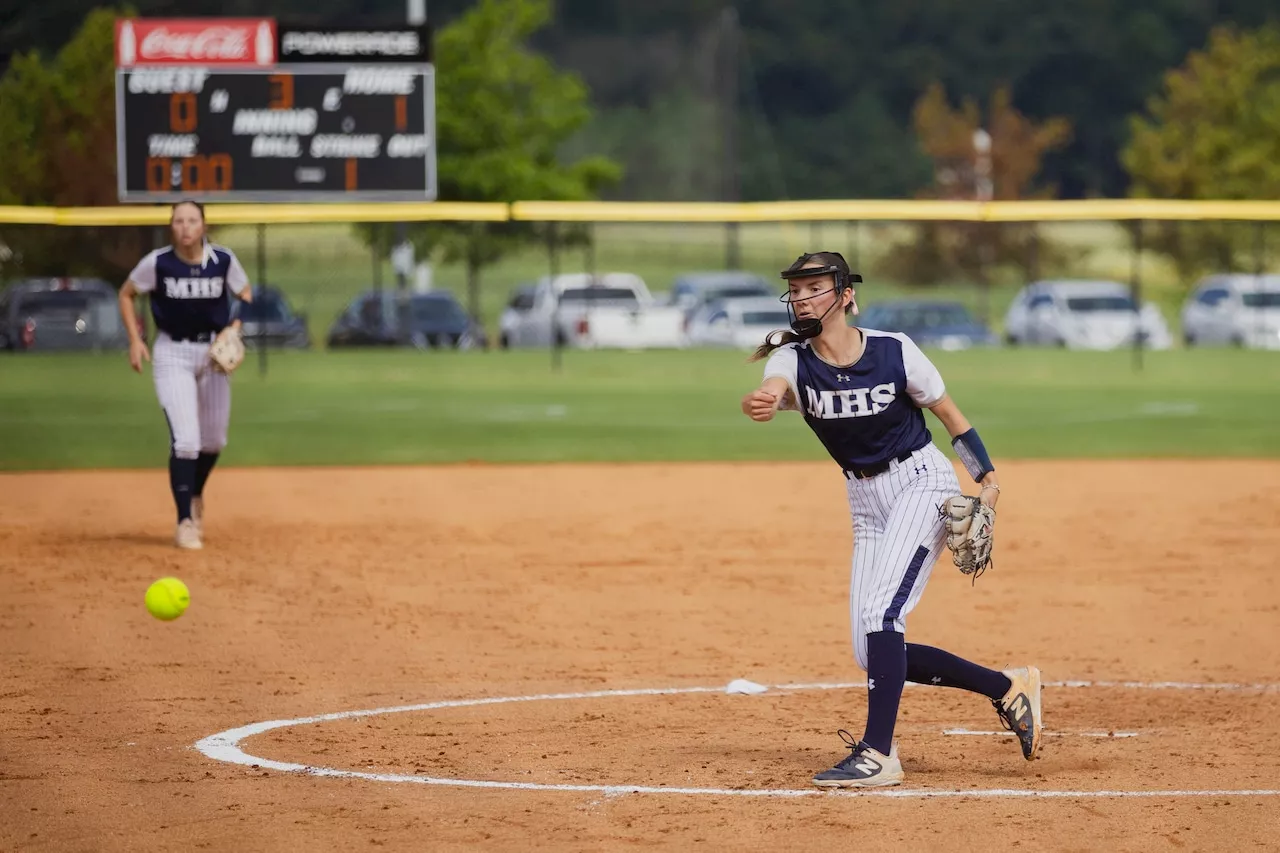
[[225, 747]]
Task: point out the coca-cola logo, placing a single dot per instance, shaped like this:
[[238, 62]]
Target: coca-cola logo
[[215, 43], [175, 41]]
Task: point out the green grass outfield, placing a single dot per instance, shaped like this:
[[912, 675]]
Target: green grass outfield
[[91, 411]]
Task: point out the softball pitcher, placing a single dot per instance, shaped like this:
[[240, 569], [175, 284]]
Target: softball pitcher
[[197, 346], [863, 393]]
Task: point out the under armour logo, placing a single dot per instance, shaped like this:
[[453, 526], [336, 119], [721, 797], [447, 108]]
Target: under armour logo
[[937, 679], [841, 377], [871, 684], [921, 469]]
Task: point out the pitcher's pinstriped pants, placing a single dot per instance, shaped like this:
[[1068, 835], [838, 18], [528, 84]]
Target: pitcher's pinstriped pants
[[897, 537], [195, 397]]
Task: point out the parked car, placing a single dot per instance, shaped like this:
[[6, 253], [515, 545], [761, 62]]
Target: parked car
[[394, 318], [1238, 310], [692, 290], [741, 323], [269, 318], [1081, 314], [520, 303], [930, 323], [613, 310], [61, 314]]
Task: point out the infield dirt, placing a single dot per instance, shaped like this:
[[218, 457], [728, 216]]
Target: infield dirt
[[324, 590]]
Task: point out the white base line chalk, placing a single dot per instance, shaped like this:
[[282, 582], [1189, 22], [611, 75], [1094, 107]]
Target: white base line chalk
[[1047, 733], [225, 746]]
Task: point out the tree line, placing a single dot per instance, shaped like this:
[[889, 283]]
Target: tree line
[[763, 99], [812, 98]]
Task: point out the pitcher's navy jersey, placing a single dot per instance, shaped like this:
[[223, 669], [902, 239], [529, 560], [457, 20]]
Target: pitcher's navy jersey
[[870, 411], [188, 299]]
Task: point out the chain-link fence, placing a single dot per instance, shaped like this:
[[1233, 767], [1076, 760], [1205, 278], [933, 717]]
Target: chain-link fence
[[322, 268]]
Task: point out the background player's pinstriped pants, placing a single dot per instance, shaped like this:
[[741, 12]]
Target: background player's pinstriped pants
[[195, 397], [897, 537]]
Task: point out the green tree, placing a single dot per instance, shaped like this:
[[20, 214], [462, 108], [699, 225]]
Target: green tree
[[824, 91], [57, 132], [503, 113], [1212, 132]]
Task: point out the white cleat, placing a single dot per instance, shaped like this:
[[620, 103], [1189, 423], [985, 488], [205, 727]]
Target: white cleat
[[197, 515], [188, 536], [863, 768], [1019, 709]]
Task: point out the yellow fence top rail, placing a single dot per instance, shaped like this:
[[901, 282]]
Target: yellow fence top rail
[[1129, 209], [766, 211], [1090, 210], [10, 215], [242, 214]]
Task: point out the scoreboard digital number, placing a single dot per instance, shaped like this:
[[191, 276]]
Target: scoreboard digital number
[[299, 133]]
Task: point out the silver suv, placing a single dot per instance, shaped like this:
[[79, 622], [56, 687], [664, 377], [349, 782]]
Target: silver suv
[[1233, 310], [1082, 314]]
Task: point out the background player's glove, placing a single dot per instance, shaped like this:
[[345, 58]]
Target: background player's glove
[[970, 527], [227, 349]]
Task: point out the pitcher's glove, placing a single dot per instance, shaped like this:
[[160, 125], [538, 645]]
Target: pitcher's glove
[[227, 350], [970, 527]]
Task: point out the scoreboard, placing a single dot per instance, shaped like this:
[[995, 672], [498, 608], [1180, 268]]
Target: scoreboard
[[311, 132], [297, 131]]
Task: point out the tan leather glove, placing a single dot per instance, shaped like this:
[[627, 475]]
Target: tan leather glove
[[227, 350], [970, 530]]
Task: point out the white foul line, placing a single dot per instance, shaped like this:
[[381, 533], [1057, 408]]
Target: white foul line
[[1047, 733], [225, 746]]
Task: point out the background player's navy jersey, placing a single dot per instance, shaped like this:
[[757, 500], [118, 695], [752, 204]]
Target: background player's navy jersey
[[187, 299], [868, 412]]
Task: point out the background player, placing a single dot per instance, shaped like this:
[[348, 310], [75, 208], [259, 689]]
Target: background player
[[862, 392], [188, 282]]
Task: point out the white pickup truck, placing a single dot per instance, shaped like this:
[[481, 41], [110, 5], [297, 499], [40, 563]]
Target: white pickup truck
[[614, 310]]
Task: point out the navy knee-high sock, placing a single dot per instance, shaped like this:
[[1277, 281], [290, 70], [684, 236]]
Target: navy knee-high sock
[[204, 464], [927, 665], [182, 479], [886, 674]]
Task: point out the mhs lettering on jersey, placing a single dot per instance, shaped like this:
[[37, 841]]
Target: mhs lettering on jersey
[[850, 402], [193, 288], [190, 297], [866, 412]]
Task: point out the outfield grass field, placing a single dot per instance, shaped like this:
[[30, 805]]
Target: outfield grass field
[[318, 408]]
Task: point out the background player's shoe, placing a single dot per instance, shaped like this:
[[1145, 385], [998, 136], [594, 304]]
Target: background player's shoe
[[197, 515], [1019, 709], [187, 536], [864, 768]]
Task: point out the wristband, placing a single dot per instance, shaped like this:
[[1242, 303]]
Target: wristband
[[969, 448]]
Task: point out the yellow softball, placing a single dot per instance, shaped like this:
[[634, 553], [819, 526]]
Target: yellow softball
[[167, 598]]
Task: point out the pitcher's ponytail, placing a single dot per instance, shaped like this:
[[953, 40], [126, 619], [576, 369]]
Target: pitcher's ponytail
[[767, 348]]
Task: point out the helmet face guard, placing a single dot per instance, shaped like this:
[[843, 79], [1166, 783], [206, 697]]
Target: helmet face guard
[[834, 265]]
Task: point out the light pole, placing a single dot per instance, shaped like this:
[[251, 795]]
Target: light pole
[[402, 255], [983, 190], [730, 188], [982, 185]]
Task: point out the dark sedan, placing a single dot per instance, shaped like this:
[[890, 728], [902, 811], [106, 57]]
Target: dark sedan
[[431, 320], [945, 325], [60, 314], [270, 319]]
